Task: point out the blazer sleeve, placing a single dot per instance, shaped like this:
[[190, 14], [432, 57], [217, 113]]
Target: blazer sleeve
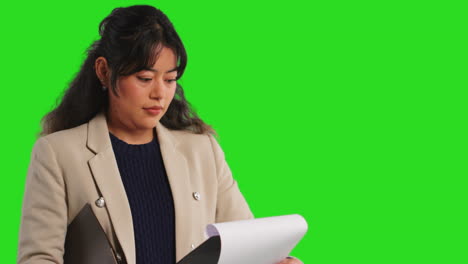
[[44, 211], [231, 204]]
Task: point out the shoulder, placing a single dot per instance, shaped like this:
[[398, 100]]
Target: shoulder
[[68, 135], [197, 143], [62, 141]]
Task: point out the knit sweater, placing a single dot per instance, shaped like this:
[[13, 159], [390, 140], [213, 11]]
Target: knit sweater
[[149, 194]]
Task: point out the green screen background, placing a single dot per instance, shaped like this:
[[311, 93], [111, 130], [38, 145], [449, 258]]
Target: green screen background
[[350, 113]]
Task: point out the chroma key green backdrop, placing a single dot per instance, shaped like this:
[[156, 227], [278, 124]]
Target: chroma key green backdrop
[[350, 113]]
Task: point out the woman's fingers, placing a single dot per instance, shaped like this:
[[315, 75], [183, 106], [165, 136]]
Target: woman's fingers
[[290, 260]]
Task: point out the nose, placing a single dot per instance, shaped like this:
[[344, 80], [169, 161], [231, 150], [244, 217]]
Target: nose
[[158, 90]]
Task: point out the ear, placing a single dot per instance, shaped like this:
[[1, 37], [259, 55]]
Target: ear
[[102, 71]]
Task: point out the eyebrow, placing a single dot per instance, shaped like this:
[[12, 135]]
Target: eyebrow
[[154, 70]]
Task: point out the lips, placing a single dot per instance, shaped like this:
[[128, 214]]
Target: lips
[[154, 111], [153, 108]]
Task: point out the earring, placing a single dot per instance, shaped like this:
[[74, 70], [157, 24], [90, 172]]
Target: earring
[[104, 88]]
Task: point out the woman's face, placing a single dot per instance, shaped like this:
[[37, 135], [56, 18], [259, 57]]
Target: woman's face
[[154, 87]]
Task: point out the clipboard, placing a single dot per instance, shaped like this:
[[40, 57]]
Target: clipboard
[[272, 237], [86, 241], [206, 253]]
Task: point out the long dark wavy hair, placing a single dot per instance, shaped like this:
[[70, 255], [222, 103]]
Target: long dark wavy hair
[[129, 37]]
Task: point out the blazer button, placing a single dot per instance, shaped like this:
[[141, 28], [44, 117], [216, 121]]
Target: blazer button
[[100, 202], [118, 257], [197, 196]]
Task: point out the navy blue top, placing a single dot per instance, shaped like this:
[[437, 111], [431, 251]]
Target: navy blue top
[[149, 194]]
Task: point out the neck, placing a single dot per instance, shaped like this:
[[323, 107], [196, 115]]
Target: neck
[[130, 136]]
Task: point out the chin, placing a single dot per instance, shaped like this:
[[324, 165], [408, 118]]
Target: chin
[[153, 122], [149, 125]]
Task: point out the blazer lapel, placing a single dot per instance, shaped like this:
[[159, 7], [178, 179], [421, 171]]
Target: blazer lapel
[[106, 174], [179, 178], [107, 177]]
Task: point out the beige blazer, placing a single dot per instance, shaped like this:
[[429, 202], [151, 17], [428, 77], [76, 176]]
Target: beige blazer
[[72, 167]]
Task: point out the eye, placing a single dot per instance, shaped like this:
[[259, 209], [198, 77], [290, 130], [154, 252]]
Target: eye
[[144, 79], [171, 80]]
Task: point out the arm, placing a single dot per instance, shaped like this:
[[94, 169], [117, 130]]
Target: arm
[[44, 212], [231, 204]]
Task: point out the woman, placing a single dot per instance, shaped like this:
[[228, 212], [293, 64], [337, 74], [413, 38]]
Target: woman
[[124, 140]]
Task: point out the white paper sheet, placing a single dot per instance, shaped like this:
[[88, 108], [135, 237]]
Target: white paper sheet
[[258, 241]]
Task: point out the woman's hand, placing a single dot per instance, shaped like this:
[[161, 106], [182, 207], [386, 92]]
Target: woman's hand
[[290, 260]]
